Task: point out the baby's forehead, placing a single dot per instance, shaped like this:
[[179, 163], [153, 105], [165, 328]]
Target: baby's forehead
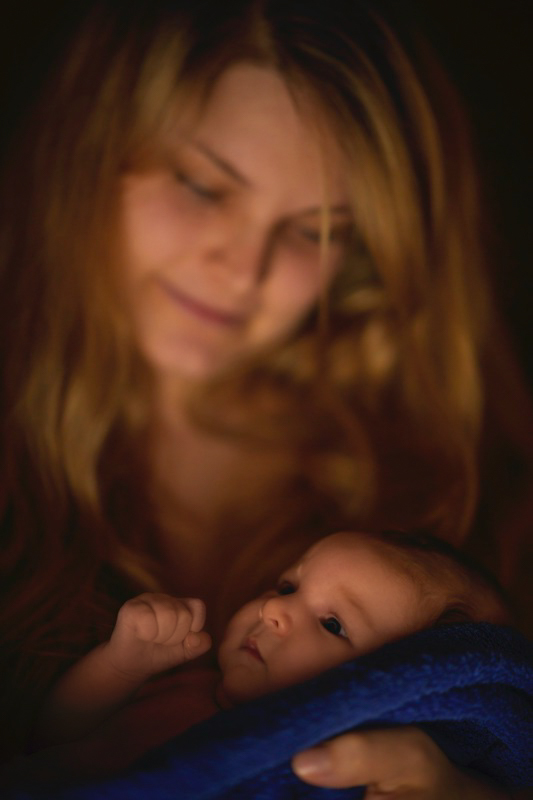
[[424, 570], [347, 543], [434, 579], [353, 551]]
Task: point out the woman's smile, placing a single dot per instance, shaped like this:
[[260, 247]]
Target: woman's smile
[[201, 310]]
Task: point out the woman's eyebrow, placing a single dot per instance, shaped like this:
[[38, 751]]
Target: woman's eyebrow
[[220, 162], [339, 210], [229, 169]]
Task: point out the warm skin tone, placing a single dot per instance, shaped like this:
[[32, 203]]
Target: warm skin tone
[[345, 597], [219, 262], [223, 242], [153, 633]]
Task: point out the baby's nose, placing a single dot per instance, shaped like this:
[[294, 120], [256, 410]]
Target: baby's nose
[[276, 615]]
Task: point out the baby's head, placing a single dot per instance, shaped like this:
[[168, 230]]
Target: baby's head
[[349, 594]]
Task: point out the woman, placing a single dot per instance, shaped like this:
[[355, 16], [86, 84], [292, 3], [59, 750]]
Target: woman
[[244, 304]]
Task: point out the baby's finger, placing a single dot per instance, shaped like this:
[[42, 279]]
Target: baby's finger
[[197, 610], [196, 644], [161, 618], [137, 616]]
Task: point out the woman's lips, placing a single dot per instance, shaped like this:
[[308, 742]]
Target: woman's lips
[[203, 311], [250, 646]]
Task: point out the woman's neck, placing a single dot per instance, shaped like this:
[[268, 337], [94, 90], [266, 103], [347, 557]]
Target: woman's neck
[[206, 489]]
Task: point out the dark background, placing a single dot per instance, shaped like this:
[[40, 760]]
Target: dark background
[[486, 46]]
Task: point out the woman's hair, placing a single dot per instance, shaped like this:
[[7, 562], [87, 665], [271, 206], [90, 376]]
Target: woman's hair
[[379, 392]]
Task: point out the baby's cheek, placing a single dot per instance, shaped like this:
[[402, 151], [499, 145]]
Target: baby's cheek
[[235, 632], [241, 683], [224, 650]]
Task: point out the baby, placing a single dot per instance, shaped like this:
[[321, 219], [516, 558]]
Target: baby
[[348, 594]]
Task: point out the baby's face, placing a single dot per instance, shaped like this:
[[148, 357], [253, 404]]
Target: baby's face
[[345, 597]]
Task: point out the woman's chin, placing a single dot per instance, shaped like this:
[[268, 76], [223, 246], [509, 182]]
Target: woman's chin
[[186, 365]]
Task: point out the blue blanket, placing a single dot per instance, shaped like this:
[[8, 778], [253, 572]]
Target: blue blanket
[[470, 687]]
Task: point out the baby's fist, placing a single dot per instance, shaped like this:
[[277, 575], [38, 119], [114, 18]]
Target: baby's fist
[[161, 618], [155, 632]]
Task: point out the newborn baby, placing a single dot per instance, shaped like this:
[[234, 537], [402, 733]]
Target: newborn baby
[[347, 595]]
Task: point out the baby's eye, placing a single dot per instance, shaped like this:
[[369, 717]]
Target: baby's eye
[[332, 625], [286, 587]]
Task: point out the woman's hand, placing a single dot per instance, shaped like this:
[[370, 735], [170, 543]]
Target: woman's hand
[[401, 763]]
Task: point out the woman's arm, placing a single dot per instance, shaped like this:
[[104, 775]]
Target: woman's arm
[[402, 764], [153, 633]]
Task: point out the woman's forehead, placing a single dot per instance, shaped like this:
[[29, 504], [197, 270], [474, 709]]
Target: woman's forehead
[[252, 113]]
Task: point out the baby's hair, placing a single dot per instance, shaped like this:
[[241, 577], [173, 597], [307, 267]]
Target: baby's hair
[[431, 548]]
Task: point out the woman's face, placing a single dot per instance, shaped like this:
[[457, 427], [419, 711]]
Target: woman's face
[[221, 237]]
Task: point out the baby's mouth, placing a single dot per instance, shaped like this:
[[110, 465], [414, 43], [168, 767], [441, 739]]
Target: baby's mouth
[[250, 646]]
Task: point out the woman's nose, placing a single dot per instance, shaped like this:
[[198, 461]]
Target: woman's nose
[[243, 255], [277, 616]]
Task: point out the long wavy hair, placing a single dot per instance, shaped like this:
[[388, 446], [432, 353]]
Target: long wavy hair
[[379, 392]]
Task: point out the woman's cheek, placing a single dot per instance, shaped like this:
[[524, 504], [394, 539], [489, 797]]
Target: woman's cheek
[[298, 287], [157, 219]]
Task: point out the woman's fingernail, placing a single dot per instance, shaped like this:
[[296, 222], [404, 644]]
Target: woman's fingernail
[[312, 762]]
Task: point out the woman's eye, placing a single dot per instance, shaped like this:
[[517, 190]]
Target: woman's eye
[[199, 189], [332, 625], [286, 587], [337, 236], [311, 235]]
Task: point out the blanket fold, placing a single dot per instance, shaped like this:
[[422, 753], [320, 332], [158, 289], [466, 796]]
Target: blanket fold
[[469, 686]]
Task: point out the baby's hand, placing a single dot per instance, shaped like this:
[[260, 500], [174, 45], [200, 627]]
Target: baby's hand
[[155, 632]]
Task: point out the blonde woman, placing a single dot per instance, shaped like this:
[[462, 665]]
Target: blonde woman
[[243, 295]]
